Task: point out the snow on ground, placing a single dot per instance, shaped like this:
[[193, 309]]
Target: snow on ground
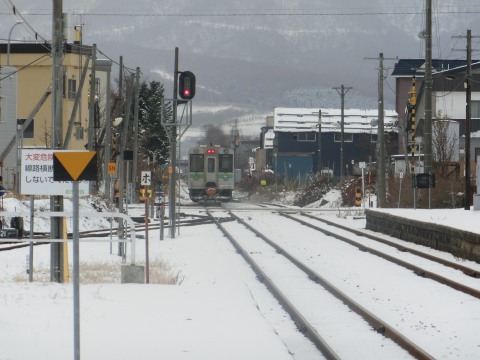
[[216, 310]]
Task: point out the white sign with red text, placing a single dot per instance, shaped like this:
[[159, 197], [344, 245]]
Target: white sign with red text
[[37, 175]]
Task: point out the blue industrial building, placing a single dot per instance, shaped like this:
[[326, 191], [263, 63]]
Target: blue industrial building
[[302, 141]]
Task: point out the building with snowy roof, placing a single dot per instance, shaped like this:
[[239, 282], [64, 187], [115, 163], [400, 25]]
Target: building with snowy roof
[[301, 141]]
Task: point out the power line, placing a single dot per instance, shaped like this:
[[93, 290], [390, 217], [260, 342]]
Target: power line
[[25, 67], [255, 14], [20, 17]]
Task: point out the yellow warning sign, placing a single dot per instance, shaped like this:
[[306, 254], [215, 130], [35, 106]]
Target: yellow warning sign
[[74, 166], [112, 168]]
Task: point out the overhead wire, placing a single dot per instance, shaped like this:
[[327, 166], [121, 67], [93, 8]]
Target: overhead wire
[[20, 17], [25, 66], [149, 13]]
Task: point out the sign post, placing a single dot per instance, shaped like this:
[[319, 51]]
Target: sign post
[[146, 180], [75, 166], [362, 166]]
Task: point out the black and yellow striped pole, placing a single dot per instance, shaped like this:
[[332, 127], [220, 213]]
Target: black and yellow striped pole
[[413, 103]]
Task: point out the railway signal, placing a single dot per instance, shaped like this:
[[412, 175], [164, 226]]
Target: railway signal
[[186, 85]]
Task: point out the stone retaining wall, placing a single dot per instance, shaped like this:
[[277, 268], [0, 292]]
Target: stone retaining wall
[[462, 244]]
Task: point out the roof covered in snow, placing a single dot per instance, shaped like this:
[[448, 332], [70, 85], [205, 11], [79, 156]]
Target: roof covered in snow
[[355, 120]]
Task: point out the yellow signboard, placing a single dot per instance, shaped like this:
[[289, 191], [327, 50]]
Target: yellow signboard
[[74, 166], [112, 168]]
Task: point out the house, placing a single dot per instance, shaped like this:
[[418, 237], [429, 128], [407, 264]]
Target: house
[[301, 141], [448, 97], [32, 74], [8, 129]]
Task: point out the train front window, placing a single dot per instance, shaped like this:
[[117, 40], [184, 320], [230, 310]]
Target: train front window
[[225, 163], [211, 165], [196, 162]]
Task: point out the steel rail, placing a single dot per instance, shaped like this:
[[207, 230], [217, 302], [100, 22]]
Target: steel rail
[[465, 269], [379, 325], [416, 269], [302, 324]]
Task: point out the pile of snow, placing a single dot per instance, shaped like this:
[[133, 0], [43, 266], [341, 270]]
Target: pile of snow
[[21, 207]]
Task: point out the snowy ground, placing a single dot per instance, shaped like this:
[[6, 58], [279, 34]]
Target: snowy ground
[[211, 313]]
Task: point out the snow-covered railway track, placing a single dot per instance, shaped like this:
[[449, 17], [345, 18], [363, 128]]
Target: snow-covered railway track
[[428, 268], [295, 286], [433, 314]]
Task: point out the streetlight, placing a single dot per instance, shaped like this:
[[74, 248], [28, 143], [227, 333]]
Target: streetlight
[[8, 44]]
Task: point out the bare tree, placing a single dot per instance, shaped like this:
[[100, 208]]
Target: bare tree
[[445, 145]]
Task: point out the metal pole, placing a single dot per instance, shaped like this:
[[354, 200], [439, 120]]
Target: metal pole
[[147, 261], [173, 153], [319, 144], [135, 135], [9, 36], [342, 130], [400, 191], [381, 191], [343, 91], [91, 100], [56, 134], [162, 218], [363, 186], [428, 157], [108, 137], [30, 256], [76, 272], [468, 118]]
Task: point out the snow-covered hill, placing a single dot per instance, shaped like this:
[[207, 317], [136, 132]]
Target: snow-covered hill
[[251, 57]]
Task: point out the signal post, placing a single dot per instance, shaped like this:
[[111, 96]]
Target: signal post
[[185, 86]]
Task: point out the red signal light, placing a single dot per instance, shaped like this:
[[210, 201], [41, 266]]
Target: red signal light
[[211, 151], [186, 85]]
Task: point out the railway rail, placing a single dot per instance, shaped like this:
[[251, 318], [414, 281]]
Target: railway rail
[[421, 271], [300, 320]]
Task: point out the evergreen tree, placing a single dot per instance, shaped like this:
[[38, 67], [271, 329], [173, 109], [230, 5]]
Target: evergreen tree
[[153, 140]]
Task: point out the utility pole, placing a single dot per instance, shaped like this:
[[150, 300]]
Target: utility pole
[[56, 135], [92, 146], [108, 131], [427, 138], [119, 159], [381, 188], [135, 135], [468, 115], [319, 144], [468, 118], [342, 91], [173, 153], [381, 168]]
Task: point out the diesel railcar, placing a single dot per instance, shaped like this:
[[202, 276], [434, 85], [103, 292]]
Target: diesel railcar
[[211, 173]]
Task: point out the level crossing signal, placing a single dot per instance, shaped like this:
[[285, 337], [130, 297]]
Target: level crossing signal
[[186, 85]]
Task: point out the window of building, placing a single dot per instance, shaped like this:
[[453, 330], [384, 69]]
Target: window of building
[[28, 133], [475, 109], [79, 133], [72, 89], [477, 153], [374, 138], [347, 137], [306, 136]]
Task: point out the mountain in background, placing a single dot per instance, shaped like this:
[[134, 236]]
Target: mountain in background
[[251, 56]]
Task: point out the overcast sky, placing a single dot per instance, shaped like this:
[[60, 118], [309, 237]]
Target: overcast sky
[[258, 55]]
